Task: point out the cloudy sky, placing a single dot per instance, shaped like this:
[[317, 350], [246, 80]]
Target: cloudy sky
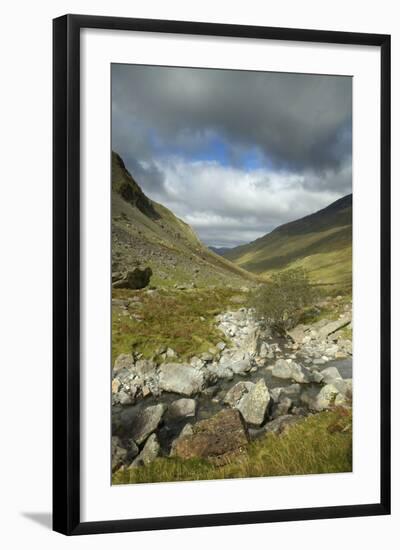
[[234, 153]]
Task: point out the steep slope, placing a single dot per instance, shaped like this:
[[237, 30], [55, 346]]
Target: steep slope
[[320, 242], [145, 233]]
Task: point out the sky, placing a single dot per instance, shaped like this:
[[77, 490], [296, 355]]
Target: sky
[[234, 153]]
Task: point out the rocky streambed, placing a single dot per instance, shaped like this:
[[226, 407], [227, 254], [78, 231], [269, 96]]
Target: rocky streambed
[[213, 405]]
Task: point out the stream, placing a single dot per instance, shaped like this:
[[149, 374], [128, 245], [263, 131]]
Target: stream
[[210, 404]]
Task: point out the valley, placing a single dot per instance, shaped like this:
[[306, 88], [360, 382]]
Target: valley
[[202, 386]]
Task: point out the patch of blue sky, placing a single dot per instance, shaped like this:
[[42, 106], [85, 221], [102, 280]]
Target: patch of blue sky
[[211, 147]]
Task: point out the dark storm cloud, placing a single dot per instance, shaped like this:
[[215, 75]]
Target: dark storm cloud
[[234, 153], [297, 120]]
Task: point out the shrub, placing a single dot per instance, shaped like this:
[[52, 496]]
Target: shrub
[[282, 300]]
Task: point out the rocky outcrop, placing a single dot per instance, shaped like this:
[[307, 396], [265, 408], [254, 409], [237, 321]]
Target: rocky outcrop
[[217, 436], [135, 279]]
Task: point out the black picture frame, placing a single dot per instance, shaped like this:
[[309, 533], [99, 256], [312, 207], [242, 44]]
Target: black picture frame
[[66, 273]]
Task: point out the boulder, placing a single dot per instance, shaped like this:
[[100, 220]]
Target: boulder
[[277, 426], [118, 453], [115, 385], [182, 408], [217, 436], [297, 334], [253, 405], [144, 369], [150, 452], [290, 371], [281, 424], [196, 362], [281, 408], [123, 361], [220, 370], [333, 377], [333, 326], [236, 392], [181, 378], [186, 430], [145, 422], [238, 363], [124, 398], [328, 394], [293, 392], [134, 279], [330, 374]]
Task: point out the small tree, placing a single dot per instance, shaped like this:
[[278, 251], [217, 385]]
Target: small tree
[[282, 300]]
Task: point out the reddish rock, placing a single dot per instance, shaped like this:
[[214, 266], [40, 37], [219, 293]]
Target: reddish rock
[[223, 433]]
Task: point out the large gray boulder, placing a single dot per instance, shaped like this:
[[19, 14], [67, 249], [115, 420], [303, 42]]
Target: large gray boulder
[[182, 408], [145, 422], [238, 362], [180, 378], [254, 403], [291, 371], [332, 376], [150, 452], [134, 279]]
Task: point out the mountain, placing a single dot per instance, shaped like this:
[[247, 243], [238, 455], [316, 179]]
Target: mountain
[[220, 250], [321, 243], [146, 234]]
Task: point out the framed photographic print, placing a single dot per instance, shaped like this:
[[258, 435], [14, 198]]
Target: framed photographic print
[[221, 274]]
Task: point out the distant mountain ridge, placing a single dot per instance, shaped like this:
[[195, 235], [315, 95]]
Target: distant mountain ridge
[[320, 242], [220, 250], [147, 234]]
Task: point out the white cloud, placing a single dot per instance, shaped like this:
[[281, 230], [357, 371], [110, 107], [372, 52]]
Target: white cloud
[[228, 206]]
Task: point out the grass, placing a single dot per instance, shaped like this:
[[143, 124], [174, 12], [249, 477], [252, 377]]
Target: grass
[[320, 243], [319, 444], [181, 319]]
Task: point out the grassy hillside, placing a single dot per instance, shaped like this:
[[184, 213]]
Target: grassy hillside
[[321, 243], [145, 233]]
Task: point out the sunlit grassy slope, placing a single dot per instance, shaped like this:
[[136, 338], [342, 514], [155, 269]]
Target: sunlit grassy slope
[[321, 243]]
